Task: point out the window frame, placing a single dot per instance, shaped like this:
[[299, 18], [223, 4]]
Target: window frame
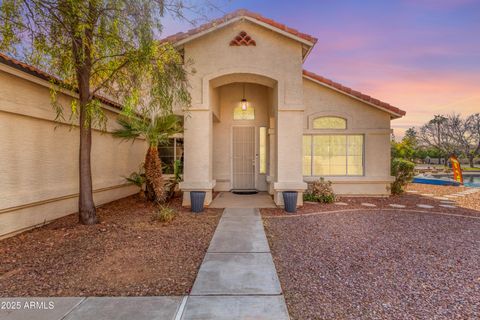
[[176, 156], [311, 135], [240, 107]]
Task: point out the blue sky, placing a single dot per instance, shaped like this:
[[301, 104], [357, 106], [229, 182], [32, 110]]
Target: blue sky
[[420, 55]]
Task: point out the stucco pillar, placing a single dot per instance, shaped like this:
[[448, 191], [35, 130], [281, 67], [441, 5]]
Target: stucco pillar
[[289, 176], [198, 141]]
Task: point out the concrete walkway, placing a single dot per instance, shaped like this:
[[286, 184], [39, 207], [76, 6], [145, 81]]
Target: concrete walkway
[[237, 280]]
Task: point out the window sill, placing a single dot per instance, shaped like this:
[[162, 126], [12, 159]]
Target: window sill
[[351, 179]]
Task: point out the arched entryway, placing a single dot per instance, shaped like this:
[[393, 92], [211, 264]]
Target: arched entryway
[[241, 122], [230, 147]]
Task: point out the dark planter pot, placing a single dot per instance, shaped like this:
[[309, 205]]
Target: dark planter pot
[[290, 201], [197, 198]]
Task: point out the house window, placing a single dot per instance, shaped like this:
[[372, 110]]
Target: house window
[[169, 152], [263, 150], [333, 155], [241, 114], [329, 123]]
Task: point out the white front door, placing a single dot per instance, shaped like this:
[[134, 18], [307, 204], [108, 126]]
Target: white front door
[[243, 158]]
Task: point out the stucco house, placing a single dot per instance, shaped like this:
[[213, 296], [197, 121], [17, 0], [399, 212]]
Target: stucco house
[[260, 121]]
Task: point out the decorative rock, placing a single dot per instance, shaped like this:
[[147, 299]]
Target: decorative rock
[[425, 206], [397, 205], [311, 202], [447, 206], [447, 202], [440, 198], [366, 204], [412, 191], [341, 203], [427, 194]]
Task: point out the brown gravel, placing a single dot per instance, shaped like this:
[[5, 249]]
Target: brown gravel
[[377, 265], [468, 205], [127, 254]]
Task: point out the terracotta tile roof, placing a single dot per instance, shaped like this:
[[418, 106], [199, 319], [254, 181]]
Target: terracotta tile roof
[[239, 13], [22, 66], [382, 105]]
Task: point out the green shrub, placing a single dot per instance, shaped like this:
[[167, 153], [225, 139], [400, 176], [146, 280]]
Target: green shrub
[[137, 178], [320, 191], [164, 214], [403, 171], [307, 196]]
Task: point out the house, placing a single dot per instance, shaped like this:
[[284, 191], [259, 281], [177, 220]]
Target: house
[[259, 121]]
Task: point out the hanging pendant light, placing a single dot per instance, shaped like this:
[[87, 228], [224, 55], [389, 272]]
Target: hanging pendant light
[[244, 102]]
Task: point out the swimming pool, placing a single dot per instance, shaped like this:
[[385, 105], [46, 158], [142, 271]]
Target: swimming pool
[[469, 180]]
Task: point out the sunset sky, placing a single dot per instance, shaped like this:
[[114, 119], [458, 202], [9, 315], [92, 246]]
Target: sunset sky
[[422, 56]]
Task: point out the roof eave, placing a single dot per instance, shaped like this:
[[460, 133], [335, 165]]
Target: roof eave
[[304, 42]]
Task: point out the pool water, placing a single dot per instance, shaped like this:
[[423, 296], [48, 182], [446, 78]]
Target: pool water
[[471, 181]]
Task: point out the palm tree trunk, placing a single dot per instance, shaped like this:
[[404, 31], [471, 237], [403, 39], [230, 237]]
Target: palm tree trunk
[[153, 174]]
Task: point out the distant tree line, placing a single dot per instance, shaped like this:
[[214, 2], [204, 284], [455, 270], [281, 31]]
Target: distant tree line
[[440, 137]]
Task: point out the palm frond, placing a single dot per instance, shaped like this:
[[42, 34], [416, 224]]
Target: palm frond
[[128, 129]]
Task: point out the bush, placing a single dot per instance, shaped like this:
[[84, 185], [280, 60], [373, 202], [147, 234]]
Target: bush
[[320, 191], [164, 214], [403, 171]]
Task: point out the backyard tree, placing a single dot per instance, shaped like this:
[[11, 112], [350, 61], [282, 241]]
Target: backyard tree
[[407, 148], [151, 116], [473, 123], [96, 47], [464, 133], [433, 134]]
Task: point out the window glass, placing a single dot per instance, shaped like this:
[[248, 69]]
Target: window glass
[[329, 123], [169, 152], [239, 114], [335, 155], [307, 155], [263, 150]]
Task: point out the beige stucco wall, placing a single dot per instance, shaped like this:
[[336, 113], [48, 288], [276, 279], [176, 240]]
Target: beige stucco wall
[[39, 157], [363, 119]]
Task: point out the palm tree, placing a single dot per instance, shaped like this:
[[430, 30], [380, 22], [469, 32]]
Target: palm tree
[[149, 113], [155, 131]]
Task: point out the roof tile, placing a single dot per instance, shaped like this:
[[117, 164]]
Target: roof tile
[[238, 13]]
